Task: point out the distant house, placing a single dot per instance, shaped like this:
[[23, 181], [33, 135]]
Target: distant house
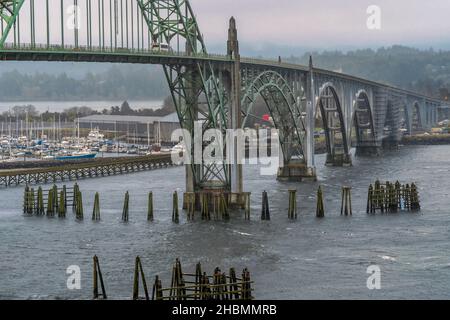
[[140, 128]]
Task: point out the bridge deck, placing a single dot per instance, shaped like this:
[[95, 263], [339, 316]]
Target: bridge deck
[[27, 52]]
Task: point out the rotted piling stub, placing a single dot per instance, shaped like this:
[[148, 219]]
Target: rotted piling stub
[[139, 273], [96, 210], [247, 205], [62, 205], [346, 205], [79, 211], [98, 276], [370, 200], [204, 198], [292, 211], [76, 192], [415, 202], [125, 211], [150, 207], [25, 199], [265, 211], [175, 211], [189, 200], [320, 210], [51, 203], [157, 293], [40, 209]]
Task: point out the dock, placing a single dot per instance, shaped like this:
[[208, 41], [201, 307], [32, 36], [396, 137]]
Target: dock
[[59, 171]]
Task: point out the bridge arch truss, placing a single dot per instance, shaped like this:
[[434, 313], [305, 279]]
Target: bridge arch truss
[[284, 107]]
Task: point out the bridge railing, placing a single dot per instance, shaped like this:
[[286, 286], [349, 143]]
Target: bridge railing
[[109, 50]]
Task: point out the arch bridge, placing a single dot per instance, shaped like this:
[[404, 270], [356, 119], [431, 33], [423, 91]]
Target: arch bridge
[[220, 91]]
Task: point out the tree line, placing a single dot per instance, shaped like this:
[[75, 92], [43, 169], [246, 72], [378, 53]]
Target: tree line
[[424, 71], [30, 113]]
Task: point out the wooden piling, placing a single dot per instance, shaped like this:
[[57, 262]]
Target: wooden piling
[[157, 293], [370, 200], [138, 270], [247, 205], [246, 285], [175, 212], [415, 203], [25, 199], [65, 197], [150, 207], [79, 206], [320, 210], [223, 207], [76, 191], [292, 211], [50, 203], [55, 199], [189, 200], [98, 276], [346, 205], [265, 211], [40, 209], [125, 211], [205, 206], [62, 205], [96, 210]]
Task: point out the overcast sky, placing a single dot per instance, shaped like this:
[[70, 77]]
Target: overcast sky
[[285, 25], [327, 23]]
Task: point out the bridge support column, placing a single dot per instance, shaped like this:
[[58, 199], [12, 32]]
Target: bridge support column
[[235, 115], [310, 123]]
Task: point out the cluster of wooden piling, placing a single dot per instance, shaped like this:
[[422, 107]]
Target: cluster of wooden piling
[[392, 197], [211, 204], [184, 286], [200, 286], [47, 202]]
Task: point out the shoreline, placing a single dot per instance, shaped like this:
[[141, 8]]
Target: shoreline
[[424, 140]]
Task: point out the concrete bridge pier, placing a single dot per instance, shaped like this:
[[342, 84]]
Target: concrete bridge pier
[[296, 170], [368, 150], [338, 159]]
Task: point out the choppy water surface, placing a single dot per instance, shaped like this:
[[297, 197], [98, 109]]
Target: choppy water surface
[[309, 258]]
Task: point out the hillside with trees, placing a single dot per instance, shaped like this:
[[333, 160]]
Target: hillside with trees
[[425, 71]]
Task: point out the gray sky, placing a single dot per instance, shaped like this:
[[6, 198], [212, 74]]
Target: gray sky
[[327, 23], [285, 25]]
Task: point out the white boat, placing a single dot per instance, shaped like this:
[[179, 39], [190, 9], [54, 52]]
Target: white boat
[[95, 135]]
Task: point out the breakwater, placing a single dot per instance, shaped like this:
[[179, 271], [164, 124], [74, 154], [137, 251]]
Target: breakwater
[[437, 139]]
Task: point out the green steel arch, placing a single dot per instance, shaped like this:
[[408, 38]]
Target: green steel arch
[[283, 107], [9, 9]]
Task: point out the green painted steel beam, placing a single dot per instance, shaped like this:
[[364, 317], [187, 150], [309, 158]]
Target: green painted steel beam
[[9, 10]]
